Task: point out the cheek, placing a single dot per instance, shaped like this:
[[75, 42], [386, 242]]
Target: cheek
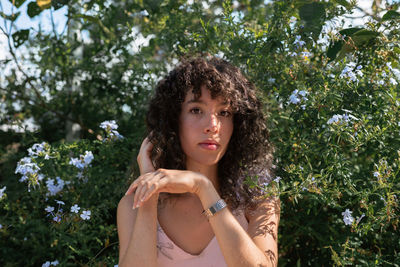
[[228, 129]]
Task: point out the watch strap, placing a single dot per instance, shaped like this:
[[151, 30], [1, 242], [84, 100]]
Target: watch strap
[[219, 205]]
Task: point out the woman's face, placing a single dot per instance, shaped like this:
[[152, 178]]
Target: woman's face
[[205, 128]]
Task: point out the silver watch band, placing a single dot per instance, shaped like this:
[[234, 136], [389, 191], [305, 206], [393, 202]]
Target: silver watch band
[[219, 205]]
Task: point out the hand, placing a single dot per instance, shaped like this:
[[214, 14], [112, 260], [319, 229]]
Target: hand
[[143, 158], [163, 180]]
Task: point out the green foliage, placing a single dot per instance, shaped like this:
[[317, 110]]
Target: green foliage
[[331, 94]]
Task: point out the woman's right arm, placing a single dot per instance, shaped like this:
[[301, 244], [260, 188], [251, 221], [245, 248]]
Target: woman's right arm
[[137, 232], [137, 229]]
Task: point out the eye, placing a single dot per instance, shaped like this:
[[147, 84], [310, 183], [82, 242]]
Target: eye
[[225, 113], [195, 110]]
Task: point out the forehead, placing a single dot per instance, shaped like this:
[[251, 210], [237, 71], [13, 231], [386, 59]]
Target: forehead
[[202, 96]]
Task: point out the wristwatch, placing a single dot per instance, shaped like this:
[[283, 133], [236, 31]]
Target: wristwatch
[[219, 205]]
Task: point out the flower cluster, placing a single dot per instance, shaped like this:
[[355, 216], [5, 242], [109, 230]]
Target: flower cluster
[[297, 97], [350, 73], [30, 172], [82, 162], [42, 149], [347, 217], [386, 74], [57, 216], [340, 119], [298, 42], [50, 263], [55, 188], [110, 128]]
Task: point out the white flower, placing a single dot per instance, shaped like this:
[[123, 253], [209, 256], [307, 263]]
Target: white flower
[[75, 208], [303, 93], [111, 125], [347, 217], [298, 41], [295, 97], [48, 263], [277, 179], [60, 202], [38, 150], [49, 209], [88, 157], [348, 72], [2, 191], [337, 118], [83, 160], [26, 167], [86, 214], [393, 81], [57, 218], [54, 188], [376, 174]]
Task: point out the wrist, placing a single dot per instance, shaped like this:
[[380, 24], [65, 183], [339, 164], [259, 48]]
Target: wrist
[[201, 185]]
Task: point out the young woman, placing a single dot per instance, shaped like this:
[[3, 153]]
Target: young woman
[[191, 205]]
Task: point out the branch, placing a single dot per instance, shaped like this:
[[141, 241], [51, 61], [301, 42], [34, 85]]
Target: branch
[[42, 103], [374, 16], [52, 23]]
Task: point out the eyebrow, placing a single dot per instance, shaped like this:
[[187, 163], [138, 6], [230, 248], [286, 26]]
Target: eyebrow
[[202, 102]]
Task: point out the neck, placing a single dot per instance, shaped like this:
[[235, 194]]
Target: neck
[[211, 172]]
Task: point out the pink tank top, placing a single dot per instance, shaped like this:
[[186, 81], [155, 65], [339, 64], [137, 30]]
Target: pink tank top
[[170, 255]]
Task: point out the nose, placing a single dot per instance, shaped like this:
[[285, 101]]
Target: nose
[[212, 125]]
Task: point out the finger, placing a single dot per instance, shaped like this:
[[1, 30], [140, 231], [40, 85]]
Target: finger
[[146, 186], [142, 186], [150, 192], [135, 183]]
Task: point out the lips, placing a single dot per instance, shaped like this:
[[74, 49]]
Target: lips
[[209, 145]]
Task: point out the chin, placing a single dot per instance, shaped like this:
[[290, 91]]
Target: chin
[[207, 162]]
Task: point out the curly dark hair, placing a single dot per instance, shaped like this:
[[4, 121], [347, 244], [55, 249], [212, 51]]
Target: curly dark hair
[[249, 153]]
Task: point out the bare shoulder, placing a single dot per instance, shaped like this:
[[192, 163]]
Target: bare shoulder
[[126, 218]]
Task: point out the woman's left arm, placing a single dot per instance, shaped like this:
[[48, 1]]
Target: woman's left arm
[[258, 246]]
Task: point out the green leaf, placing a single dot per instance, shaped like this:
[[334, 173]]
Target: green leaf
[[363, 37], [391, 14], [20, 37], [17, 3], [349, 31], [33, 9], [314, 16], [95, 20], [12, 17], [333, 49]]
